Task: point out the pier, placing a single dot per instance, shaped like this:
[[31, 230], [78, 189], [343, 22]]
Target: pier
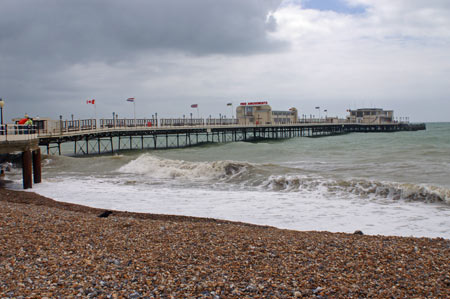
[[24, 140], [116, 135]]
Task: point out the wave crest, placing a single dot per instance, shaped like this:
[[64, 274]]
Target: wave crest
[[152, 166], [361, 188]]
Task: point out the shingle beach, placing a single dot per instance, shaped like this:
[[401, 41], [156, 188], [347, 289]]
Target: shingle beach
[[59, 250]]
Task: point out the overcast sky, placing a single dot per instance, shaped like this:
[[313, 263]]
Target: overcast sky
[[169, 54]]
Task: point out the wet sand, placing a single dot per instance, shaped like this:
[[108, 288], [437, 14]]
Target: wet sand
[[53, 249]]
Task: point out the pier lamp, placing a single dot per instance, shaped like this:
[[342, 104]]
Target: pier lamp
[[2, 103], [318, 108]]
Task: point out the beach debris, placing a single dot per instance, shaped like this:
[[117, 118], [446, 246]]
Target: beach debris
[[105, 214]]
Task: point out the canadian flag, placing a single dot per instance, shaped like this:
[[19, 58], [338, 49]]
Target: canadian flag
[[90, 102]]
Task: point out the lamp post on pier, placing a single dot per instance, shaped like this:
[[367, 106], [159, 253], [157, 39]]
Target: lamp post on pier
[[318, 108], [2, 103]]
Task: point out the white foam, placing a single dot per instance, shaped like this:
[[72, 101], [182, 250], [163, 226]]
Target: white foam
[[151, 166], [305, 210]]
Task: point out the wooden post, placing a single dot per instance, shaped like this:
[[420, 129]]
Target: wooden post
[[112, 145], [26, 170], [37, 171]]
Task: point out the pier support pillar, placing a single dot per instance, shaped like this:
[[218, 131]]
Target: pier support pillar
[[27, 174], [37, 171]]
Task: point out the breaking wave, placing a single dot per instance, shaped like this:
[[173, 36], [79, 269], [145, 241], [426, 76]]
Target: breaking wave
[[271, 177], [361, 188], [152, 166]]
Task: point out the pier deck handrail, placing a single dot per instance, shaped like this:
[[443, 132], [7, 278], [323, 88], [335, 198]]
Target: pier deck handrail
[[14, 132], [89, 126]]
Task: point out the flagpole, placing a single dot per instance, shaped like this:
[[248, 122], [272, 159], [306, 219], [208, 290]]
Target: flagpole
[[95, 114], [198, 113], [134, 108]]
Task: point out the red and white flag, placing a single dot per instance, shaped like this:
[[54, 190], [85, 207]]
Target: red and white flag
[[130, 100], [194, 106], [90, 102]]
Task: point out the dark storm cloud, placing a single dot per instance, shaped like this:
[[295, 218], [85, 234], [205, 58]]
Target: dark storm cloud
[[110, 30], [43, 41]]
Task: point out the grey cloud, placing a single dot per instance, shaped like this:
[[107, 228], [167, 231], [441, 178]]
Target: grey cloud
[[111, 30], [42, 41]]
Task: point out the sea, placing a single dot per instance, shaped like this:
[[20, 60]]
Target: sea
[[395, 184]]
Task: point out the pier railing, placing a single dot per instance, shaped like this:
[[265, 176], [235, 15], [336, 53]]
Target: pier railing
[[78, 125], [64, 127], [13, 132]]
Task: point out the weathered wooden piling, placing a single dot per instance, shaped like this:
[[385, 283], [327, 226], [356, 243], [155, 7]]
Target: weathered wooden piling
[[37, 171], [27, 174]]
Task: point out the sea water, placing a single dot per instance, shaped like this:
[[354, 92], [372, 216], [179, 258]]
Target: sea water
[[379, 183]]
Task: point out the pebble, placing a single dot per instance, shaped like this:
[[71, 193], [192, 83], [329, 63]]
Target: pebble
[[59, 250]]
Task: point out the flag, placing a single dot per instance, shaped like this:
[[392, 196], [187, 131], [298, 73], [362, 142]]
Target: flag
[[230, 104], [194, 106], [130, 100], [90, 102]]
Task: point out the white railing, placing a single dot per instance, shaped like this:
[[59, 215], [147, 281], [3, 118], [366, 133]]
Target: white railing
[[13, 132]]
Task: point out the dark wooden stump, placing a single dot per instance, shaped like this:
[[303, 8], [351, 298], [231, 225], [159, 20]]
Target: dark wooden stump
[[27, 170]]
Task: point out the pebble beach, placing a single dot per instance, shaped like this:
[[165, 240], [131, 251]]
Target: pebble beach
[[60, 250]]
